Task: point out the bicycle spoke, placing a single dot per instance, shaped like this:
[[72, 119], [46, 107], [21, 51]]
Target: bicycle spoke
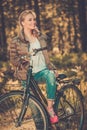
[[70, 109], [10, 108]]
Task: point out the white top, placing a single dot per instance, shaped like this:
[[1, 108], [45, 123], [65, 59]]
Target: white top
[[38, 61]]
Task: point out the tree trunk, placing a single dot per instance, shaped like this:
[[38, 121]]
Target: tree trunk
[[37, 12], [3, 36], [83, 23]]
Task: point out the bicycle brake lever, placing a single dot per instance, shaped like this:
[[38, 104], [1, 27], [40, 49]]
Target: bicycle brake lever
[[35, 51]]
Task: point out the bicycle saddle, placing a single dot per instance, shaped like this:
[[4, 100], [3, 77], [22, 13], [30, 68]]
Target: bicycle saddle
[[61, 76]]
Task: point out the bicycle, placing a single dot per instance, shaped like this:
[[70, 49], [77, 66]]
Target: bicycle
[[26, 109]]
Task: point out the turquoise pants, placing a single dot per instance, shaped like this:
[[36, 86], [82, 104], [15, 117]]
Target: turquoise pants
[[48, 77]]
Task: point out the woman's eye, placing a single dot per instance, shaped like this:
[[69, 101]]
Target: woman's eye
[[34, 19], [30, 20]]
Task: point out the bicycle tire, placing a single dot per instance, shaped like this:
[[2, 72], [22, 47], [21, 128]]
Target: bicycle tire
[[70, 108], [10, 107]]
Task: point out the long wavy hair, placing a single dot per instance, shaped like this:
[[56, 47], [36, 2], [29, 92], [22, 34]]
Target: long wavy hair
[[21, 18]]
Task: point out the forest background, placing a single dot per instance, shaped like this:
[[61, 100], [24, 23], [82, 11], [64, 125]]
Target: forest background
[[65, 24]]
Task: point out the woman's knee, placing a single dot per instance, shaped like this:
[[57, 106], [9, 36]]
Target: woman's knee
[[51, 77]]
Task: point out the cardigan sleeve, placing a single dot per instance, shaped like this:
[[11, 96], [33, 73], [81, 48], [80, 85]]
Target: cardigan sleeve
[[14, 59]]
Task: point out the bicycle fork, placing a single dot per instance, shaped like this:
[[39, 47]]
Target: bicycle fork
[[23, 110]]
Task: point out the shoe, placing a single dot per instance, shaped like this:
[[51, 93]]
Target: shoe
[[54, 119], [53, 116]]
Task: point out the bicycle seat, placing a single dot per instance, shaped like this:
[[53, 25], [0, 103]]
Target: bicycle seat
[[61, 76]]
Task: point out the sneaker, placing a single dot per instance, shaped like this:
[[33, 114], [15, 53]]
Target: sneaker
[[54, 119]]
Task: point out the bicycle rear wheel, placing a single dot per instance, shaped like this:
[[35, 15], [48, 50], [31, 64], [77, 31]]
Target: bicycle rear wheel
[[10, 108], [70, 109]]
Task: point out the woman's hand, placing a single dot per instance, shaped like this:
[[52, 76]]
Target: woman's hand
[[56, 73]]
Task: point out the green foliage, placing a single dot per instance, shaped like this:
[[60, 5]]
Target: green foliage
[[73, 64]]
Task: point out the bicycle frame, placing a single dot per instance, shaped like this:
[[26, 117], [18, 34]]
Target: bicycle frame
[[31, 84]]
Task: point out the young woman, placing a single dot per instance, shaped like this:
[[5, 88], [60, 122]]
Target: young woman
[[30, 38]]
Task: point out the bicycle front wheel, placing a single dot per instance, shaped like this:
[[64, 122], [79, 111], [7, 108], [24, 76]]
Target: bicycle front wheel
[[10, 108], [70, 109]]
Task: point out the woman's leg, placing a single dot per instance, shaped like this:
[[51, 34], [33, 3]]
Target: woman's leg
[[50, 80]]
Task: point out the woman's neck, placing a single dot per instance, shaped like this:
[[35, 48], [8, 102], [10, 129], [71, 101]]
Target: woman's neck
[[29, 35]]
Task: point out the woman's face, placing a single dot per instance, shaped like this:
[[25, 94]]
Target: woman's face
[[29, 22]]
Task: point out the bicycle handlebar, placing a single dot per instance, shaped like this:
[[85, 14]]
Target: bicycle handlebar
[[39, 49], [34, 52]]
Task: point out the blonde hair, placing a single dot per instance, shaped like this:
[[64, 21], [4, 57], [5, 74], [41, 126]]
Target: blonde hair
[[22, 17]]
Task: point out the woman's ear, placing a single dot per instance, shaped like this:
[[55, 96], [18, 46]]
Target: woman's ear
[[22, 23]]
